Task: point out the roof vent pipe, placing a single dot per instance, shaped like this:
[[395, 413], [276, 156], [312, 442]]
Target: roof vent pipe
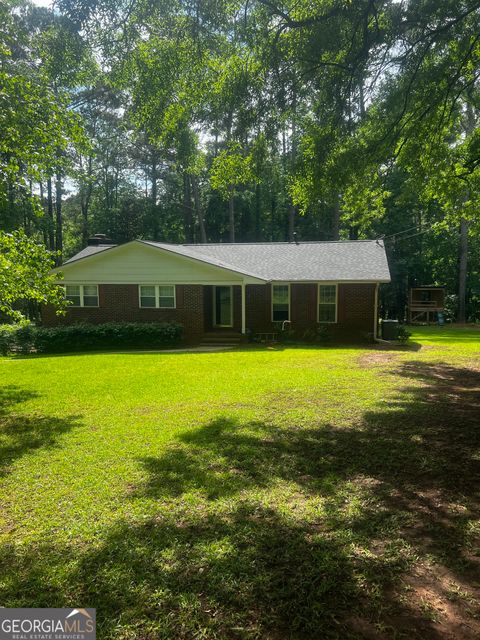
[[98, 239]]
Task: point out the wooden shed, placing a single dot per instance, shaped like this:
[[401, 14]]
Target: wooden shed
[[424, 304]]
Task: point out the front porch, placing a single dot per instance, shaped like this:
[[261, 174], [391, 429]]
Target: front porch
[[224, 310], [233, 311]]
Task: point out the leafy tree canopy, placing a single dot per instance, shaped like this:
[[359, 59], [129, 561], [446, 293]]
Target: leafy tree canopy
[[25, 275]]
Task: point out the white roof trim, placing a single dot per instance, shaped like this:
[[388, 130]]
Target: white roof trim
[[155, 247], [212, 262], [304, 262]]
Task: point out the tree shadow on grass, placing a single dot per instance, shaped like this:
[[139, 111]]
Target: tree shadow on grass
[[194, 349], [411, 346], [11, 395], [260, 531], [21, 433]]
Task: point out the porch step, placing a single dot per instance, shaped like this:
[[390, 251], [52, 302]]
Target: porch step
[[221, 339]]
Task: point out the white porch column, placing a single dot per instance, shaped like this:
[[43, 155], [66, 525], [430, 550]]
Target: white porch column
[[244, 314]]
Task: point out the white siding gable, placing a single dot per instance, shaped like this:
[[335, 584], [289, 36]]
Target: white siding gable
[[138, 263]]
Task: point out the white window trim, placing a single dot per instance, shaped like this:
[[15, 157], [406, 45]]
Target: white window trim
[[327, 284], [81, 286], [282, 284], [157, 295]]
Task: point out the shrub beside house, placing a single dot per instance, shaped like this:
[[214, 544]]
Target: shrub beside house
[[89, 337]]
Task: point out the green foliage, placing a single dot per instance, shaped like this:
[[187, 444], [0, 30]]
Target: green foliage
[[231, 169], [403, 335], [37, 125], [8, 333], [25, 274], [320, 335], [89, 337], [333, 119]]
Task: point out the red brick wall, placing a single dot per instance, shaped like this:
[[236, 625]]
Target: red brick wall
[[194, 309], [119, 302], [303, 306], [208, 307], [237, 308], [259, 310], [356, 304]]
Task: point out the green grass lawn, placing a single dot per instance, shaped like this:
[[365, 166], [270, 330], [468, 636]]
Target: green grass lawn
[[264, 493]]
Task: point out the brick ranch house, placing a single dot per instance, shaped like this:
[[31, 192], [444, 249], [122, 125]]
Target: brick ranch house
[[227, 288]]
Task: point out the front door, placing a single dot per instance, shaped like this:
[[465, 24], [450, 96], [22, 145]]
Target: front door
[[222, 306]]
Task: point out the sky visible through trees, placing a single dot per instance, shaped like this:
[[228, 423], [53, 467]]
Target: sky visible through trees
[[218, 121]]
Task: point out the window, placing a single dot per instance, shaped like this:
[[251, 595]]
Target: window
[[82, 295], [73, 294], [148, 297], [327, 303], [166, 297], [90, 295], [157, 296], [280, 302]]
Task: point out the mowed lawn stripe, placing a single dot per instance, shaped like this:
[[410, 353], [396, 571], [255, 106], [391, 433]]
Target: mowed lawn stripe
[[259, 493]]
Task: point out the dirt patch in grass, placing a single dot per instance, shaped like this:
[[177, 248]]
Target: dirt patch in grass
[[439, 597], [448, 607], [432, 603], [385, 353], [378, 358]]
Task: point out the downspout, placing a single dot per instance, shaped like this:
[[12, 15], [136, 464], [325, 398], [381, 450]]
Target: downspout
[[244, 313], [375, 314]]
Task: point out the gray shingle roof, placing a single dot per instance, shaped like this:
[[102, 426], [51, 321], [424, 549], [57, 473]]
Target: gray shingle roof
[[89, 251], [356, 260]]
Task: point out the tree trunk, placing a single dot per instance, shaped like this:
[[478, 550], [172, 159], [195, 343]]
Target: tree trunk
[[231, 215], [198, 209], [336, 218], [11, 204], [273, 217], [258, 211], [58, 215], [85, 197], [284, 151], [361, 100], [117, 172], [26, 213], [463, 240], [153, 199], [45, 225], [106, 187], [187, 209], [84, 208], [462, 271], [291, 222], [292, 210], [50, 223], [153, 192]]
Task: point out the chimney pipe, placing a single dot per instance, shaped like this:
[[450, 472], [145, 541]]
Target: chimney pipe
[[98, 239]]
